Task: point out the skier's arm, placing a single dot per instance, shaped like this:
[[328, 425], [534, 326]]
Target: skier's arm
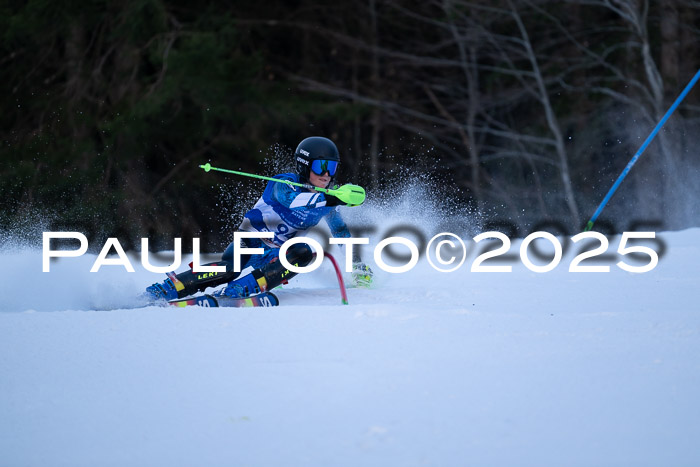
[[292, 199], [361, 273], [338, 227]]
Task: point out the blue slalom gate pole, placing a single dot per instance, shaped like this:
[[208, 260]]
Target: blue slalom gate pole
[[639, 152]]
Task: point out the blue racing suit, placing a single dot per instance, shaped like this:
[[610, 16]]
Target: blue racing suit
[[284, 210]]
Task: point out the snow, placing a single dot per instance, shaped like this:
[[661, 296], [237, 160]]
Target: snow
[[432, 369]]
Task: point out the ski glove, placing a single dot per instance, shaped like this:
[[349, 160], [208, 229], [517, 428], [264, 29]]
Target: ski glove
[[362, 275], [333, 201]]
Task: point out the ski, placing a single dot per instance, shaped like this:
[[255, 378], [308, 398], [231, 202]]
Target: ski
[[209, 301]]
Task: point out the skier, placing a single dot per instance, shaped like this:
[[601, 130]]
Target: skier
[[286, 211]]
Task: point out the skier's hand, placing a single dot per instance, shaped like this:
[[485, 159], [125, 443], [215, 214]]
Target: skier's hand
[[351, 195], [333, 201], [362, 275]]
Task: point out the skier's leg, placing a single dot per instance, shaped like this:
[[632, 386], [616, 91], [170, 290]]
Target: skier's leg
[[188, 282], [273, 273]]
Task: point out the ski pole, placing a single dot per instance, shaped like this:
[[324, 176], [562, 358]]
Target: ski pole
[[352, 195], [639, 152]]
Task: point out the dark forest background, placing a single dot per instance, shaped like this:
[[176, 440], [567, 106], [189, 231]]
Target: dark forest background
[[521, 110]]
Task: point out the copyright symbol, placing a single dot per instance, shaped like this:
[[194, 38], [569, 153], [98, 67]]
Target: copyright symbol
[[438, 251]]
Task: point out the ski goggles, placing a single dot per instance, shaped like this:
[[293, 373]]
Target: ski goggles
[[319, 167]]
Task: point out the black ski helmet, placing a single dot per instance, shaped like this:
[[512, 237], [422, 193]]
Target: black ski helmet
[[311, 149]]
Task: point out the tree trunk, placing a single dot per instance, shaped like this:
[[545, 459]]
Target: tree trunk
[[376, 120], [552, 122]]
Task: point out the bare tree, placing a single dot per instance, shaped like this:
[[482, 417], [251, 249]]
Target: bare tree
[[499, 88]]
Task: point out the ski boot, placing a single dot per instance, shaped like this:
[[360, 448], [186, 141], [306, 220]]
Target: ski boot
[[245, 286], [165, 291]]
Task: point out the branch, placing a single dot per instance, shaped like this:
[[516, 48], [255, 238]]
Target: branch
[[312, 85]]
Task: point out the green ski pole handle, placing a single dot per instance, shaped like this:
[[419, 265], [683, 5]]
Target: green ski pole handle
[[352, 195]]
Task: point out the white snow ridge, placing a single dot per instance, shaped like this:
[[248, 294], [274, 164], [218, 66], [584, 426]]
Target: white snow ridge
[[426, 369]]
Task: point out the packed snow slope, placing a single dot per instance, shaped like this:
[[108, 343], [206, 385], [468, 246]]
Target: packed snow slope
[[427, 368]]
